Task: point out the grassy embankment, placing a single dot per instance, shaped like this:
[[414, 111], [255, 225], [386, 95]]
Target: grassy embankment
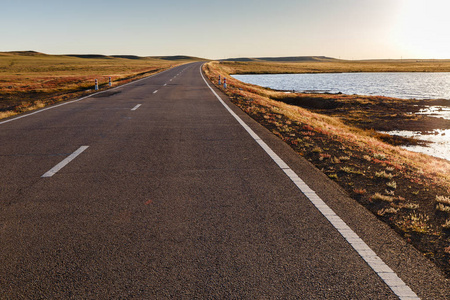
[[31, 80], [409, 191]]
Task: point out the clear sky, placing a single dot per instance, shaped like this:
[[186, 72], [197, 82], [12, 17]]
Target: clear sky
[[347, 29]]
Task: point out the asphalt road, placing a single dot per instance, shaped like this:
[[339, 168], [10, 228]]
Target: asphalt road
[[164, 194]]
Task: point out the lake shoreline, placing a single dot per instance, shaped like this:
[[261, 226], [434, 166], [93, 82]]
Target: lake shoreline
[[399, 122], [373, 112], [412, 111]]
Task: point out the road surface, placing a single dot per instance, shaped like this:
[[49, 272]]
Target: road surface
[[157, 190]]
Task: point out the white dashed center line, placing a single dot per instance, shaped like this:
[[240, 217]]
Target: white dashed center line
[[136, 107], [62, 164]]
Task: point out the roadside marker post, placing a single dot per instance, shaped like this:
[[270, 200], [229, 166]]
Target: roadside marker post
[[110, 83], [96, 84], [219, 81], [225, 83]]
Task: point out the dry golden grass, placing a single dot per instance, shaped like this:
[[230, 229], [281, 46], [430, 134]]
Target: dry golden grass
[[443, 199], [34, 72], [11, 113], [336, 66], [30, 80]]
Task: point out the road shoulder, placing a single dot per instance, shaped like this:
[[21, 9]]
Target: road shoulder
[[412, 267]]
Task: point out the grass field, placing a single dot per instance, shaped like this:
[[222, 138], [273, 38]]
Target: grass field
[[407, 190], [334, 66], [30, 80]]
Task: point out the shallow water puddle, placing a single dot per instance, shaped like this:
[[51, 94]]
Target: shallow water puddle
[[440, 142]]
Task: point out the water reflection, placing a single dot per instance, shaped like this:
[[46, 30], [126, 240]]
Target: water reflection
[[440, 140], [418, 85], [436, 111]]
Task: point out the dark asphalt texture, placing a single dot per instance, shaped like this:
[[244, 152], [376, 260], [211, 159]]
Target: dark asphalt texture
[[176, 200]]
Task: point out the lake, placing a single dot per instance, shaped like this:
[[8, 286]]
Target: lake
[[420, 85]]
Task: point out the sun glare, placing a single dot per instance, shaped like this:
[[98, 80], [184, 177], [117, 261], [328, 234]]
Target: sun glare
[[422, 30]]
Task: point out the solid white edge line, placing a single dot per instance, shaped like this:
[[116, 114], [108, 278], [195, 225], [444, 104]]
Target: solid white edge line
[[76, 100], [44, 109], [378, 266], [63, 163], [136, 107]]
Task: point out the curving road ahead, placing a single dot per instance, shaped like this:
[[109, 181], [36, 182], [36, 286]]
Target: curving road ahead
[[163, 189]]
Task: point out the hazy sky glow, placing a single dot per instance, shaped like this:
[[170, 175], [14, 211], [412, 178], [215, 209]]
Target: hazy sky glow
[[349, 29]]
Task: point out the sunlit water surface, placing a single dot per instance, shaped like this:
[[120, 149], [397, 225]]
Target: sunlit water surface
[[398, 85]]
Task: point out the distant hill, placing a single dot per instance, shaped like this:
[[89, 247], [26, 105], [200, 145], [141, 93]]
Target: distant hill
[[97, 56], [24, 53], [282, 59], [174, 58], [101, 56], [177, 57], [127, 56]]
